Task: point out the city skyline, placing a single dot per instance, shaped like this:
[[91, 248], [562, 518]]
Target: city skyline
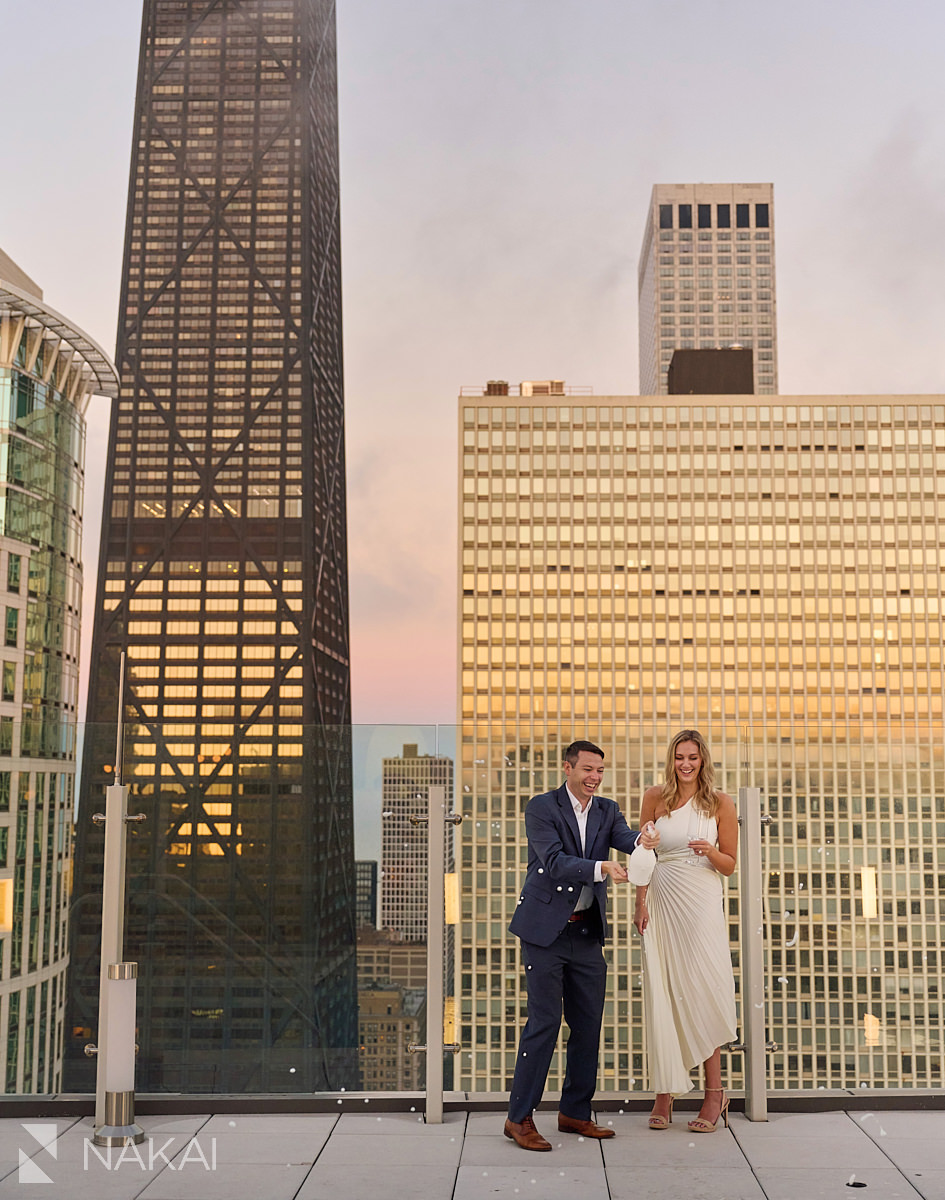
[[456, 214], [494, 236]]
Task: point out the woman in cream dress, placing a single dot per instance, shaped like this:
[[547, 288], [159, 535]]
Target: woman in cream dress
[[689, 987]]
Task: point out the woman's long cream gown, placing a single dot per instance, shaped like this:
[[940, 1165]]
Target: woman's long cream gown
[[688, 985]]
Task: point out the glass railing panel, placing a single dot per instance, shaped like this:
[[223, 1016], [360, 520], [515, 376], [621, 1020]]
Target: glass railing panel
[[394, 768], [853, 890], [277, 901], [37, 790], [277, 916], [501, 765], [854, 901]]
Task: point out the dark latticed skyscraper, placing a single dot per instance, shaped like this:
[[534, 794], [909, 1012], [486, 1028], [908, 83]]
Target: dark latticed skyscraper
[[223, 569]]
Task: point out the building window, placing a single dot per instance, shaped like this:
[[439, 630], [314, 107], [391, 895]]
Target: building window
[[12, 626], [14, 566], [13, 1034], [5, 778], [741, 216], [6, 735], [705, 216], [9, 681], [761, 216], [723, 216], [666, 216], [685, 216]]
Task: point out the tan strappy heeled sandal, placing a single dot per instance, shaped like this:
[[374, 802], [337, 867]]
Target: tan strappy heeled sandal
[[658, 1121], [701, 1125]]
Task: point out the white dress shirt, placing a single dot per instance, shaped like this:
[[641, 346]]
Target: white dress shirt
[[586, 898]]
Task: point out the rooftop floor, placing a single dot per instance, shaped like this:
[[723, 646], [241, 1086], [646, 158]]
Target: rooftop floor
[[376, 1154]]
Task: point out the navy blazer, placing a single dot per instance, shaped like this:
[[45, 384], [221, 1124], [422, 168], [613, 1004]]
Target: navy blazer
[[558, 869]]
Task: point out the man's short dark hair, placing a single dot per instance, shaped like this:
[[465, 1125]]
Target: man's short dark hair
[[572, 752]]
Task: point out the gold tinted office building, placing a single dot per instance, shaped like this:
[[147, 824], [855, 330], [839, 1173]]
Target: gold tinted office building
[[770, 573]]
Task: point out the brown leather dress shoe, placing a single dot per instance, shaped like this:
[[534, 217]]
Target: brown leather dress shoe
[[526, 1135], [584, 1128]]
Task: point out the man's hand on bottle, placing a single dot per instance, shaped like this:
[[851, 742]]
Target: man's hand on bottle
[[616, 872]]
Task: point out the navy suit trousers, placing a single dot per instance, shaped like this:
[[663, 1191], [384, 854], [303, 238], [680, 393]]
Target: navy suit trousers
[[568, 976]]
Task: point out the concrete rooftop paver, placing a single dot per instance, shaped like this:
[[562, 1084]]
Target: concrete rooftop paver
[[375, 1155], [847, 1148], [795, 1126], [399, 1124], [290, 1140], [695, 1182], [80, 1172], [252, 1125], [531, 1181], [49, 1160], [831, 1183], [227, 1182], [375, 1181], [818, 1156], [14, 1138], [637, 1145], [912, 1155], [674, 1163], [907, 1148], [392, 1151], [915, 1142], [917, 1126], [929, 1184], [567, 1151], [488, 1124]]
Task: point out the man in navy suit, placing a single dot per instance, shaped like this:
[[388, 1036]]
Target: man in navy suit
[[561, 919]]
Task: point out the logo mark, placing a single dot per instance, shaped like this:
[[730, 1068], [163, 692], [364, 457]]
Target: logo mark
[[47, 1137]]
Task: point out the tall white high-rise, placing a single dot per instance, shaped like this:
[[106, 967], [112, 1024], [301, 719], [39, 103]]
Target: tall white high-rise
[[405, 782], [706, 278]]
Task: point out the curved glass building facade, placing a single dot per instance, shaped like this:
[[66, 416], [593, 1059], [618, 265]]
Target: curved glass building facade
[[48, 371]]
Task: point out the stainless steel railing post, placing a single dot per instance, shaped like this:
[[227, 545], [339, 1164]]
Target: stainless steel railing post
[[754, 1006], [436, 820], [436, 929], [115, 1066]]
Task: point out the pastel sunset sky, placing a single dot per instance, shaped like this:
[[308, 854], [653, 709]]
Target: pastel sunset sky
[[497, 160]]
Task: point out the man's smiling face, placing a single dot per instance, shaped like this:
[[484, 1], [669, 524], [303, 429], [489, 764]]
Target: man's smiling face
[[584, 777]]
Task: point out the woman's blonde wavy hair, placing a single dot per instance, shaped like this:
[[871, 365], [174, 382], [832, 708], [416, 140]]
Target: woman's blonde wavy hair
[[706, 798]]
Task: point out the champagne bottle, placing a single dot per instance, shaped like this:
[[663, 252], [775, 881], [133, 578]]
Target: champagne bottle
[[642, 861]]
